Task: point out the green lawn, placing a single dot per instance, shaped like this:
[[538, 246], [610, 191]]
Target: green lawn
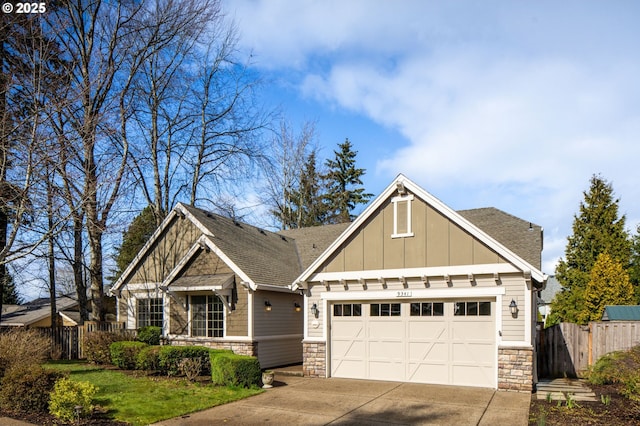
[[145, 399]]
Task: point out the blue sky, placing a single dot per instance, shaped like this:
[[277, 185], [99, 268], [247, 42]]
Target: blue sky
[[510, 104]]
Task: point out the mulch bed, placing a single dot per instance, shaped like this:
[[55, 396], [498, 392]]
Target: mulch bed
[[612, 408]]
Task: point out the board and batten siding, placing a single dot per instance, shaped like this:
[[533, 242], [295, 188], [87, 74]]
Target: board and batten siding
[[437, 241], [166, 252]]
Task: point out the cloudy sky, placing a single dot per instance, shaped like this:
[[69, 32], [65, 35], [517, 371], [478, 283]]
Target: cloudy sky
[[510, 104]]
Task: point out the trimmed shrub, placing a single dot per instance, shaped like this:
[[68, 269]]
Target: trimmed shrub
[[621, 367], [170, 358], [125, 354], [97, 345], [22, 346], [67, 395], [26, 388], [149, 335], [148, 359], [235, 370]]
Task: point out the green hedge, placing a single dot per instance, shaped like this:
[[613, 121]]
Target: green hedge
[[235, 370], [149, 335], [169, 357], [149, 359], [125, 354]]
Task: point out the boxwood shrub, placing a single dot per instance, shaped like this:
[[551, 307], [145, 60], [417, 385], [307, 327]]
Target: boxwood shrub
[[125, 354], [228, 369], [149, 335], [148, 359], [169, 358]]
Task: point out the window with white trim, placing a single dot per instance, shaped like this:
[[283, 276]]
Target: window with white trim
[[150, 312], [402, 216], [207, 316]]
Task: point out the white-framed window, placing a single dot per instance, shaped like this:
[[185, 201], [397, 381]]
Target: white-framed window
[[150, 312], [402, 216], [207, 316]]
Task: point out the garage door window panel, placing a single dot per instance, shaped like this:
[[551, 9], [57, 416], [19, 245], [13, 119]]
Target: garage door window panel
[[472, 309], [427, 309], [385, 310]]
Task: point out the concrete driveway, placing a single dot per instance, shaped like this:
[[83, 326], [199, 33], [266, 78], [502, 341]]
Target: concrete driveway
[[309, 401]]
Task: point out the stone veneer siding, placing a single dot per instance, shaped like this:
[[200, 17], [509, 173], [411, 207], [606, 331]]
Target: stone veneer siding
[[238, 347], [314, 355], [515, 368]]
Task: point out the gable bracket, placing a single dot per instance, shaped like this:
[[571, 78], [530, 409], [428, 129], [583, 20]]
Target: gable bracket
[[221, 295], [425, 280], [344, 284], [496, 277], [326, 285], [382, 282], [403, 281], [363, 283], [472, 279], [527, 278], [447, 280]]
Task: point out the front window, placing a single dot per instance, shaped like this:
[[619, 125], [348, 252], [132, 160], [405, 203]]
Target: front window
[[150, 312], [207, 316]]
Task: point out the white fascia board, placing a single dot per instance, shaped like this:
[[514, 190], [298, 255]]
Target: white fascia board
[[144, 286], [143, 251], [273, 287], [193, 250], [188, 289], [192, 218], [438, 271], [439, 206], [239, 272], [426, 293]]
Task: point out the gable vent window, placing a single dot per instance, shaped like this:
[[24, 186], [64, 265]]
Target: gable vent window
[[402, 216]]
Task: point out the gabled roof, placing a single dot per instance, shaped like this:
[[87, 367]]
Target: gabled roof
[[257, 256], [455, 217], [34, 311], [311, 242], [522, 237], [621, 313]]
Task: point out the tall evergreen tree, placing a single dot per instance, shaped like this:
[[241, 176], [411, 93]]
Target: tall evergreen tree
[[608, 285], [10, 294], [596, 229], [310, 209], [344, 184], [136, 236], [634, 268]]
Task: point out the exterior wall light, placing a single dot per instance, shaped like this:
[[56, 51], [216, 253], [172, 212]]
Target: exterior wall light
[[297, 307], [513, 307], [267, 306], [314, 310]]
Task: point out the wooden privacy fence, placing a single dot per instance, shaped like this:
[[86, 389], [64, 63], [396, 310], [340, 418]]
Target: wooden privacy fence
[[569, 349], [68, 342]]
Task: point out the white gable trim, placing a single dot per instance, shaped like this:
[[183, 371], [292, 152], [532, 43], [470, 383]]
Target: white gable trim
[[439, 206]]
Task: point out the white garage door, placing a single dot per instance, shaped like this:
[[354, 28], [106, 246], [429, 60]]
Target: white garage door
[[443, 342]]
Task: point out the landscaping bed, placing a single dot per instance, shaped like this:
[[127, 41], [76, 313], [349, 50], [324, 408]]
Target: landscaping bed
[[138, 398], [611, 408]]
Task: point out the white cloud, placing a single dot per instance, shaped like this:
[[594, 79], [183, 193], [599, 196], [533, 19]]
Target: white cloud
[[508, 104]]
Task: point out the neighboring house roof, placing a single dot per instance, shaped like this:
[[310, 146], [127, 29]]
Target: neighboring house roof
[[491, 219], [552, 288], [35, 311], [621, 313]]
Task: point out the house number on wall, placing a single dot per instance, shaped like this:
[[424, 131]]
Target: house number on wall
[[403, 294]]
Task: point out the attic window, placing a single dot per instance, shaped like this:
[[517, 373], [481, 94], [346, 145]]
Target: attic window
[[402, 216]]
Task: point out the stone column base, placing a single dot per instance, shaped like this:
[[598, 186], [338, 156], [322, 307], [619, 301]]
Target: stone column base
[[515, 368], [314, 359]]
